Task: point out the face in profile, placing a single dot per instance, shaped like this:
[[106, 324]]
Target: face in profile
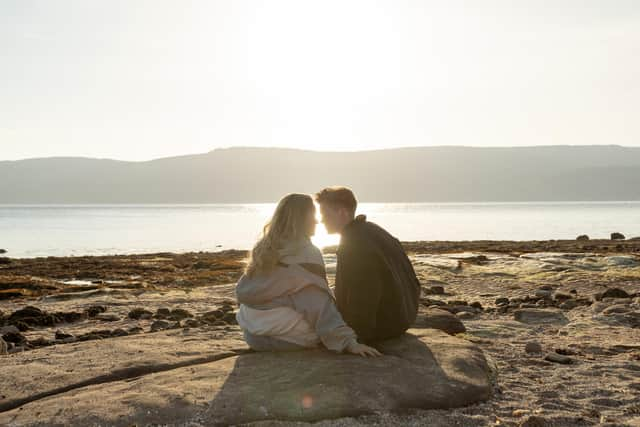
[[331, 218]]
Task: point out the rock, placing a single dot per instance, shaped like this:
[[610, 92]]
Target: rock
[[569, 304], [107, 317], [476, 305], [179, 314], [135, 330], [533, 347], [502, 301], [230, 318], [542, 293], [8, 329], [61, 335], [536, 421], [191, 323], [615, 293], [434, 290], [119, 333], [443, 320], [212, 316], [140, 313], [94, 310], [558, 358], [539, 316], [159, 325], [14, 337], [162, 313], [582, 237], [40, 342], [5, 260], [561, 296], [622, 261], [465, 315], [617, 236], [4, 347], [424, 369]]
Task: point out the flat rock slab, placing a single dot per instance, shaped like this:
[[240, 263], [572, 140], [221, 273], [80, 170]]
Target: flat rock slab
[[51, 370], [540, 316], [423, 369], [443, 320]]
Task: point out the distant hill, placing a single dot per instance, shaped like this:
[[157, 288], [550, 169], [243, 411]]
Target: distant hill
[[244, 175]]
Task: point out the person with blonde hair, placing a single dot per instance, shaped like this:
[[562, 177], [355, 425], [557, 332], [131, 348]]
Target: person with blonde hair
[[285, 300]]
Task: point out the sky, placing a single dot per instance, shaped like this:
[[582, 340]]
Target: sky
[[137, 80]]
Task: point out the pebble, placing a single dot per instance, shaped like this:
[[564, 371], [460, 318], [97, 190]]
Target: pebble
[[558, 358], [61, 335], [502, 301], [140, 313], [8, 329], [465, 315], [94, 310], [435, 290], [135, 330], [179, 314], [106, 317], [615, 293], [533, 347], [162, 313], [159, 325]]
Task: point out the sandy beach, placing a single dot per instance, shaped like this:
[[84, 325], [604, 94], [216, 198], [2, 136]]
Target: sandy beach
[[558, 322]]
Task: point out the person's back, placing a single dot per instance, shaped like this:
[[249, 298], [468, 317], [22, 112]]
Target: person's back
[[377, 291]]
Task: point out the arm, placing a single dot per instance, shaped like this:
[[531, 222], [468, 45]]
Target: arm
[[361, 290]]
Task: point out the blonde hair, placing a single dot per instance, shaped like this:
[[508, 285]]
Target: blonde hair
[[287, 225]]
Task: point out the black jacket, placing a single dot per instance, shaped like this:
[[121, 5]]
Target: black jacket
[[377, 291]]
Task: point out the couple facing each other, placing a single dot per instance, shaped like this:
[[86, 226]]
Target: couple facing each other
[[285, 301]]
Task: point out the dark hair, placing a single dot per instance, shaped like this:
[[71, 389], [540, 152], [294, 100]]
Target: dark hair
[[338, 197]]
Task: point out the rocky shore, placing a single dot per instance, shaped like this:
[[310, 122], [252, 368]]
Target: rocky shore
[[509, 333]]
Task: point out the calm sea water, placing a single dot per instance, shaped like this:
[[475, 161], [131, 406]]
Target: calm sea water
[[62, 230]]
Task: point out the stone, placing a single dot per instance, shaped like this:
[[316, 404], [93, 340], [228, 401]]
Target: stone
[[107, 317], [162, 313], [8, 329], [539, 316], [423, 369], [179, 314], [477, 305], [434, 290], [617, 236], [135, 330], [536, 421], [533, 347], [140, 313], [558, 358], [615, 293], [191, 323], [159, 325], [561, 296], [582, 237], [119, 332], [465, 315], [94, 310], [542, 293], [61, 335], [443, 320], [14, 337], [502, 301], [622, 261], [569, 304], [4, 347]]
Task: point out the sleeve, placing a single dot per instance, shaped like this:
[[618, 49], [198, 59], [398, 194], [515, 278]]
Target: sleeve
[[361, 289], [320, 311]]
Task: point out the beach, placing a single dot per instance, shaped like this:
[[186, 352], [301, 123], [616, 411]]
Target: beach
[[557, 320]]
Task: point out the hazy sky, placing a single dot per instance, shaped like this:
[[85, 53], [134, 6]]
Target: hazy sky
[[138, 80]]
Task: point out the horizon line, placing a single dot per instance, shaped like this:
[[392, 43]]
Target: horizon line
[[249, 147]]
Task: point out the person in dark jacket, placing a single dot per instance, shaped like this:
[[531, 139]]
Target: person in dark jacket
[[376, 287]]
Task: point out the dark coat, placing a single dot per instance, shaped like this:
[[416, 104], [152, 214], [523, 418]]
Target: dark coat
[[377, 290]]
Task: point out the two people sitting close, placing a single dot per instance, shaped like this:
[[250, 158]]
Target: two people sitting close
[[285, 300]]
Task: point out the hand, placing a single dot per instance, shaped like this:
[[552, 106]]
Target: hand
[[362, 350]]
